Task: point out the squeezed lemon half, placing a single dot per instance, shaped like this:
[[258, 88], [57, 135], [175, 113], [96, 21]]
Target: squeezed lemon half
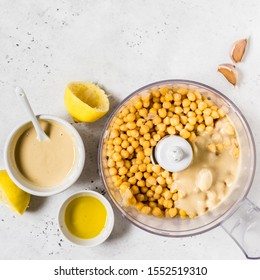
[[85, 102], [11, 195]]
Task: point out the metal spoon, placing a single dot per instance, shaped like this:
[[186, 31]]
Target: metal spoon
[[41, 136]]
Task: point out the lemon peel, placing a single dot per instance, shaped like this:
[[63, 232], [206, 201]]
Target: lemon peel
[[85, 101], [15, 198]]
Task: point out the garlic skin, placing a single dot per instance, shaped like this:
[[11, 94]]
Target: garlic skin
[[229, 71], [238, 50]]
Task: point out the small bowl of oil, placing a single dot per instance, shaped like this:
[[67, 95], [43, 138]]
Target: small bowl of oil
[[86, 218]]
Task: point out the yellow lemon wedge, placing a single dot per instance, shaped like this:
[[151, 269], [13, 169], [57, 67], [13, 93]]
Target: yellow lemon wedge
[[85, 102], [11, 195]]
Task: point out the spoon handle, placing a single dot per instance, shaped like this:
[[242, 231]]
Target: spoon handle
[[22, 96]]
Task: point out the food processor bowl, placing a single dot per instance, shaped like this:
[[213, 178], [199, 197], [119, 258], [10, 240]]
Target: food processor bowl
[[178, 227]]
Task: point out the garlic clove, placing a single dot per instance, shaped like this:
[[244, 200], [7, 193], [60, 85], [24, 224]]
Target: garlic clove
[[229, 72], [204, 179], [238, 50]]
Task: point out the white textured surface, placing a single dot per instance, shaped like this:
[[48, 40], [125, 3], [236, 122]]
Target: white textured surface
[[122, 45]]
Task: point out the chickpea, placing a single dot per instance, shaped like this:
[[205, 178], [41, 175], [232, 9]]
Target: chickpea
[[146, 210], [144, 129], [175, 120], [141, 184], [198, 112], [175, 196], [201, 127], [139, 175], [182, 91], [134, 168], [112, 171], [167, 120], [192, 136], [162, 113], [147, 136], [135, 190], [140, 122], [156, 168], [152, 204], [140, 197], [171, 130], [123, 136], [131, 125], [165, 174], [143, 112], [125, 154], [161, 200], [182, 213], [132, 180], [167, 194], [189, 127], [147, 152], [168, 203], [186, 102], [193, 106], [173, 212], [214, 115], [114, 133], [150, 193], [117, 149], [156, 93], [192, 120], [153, 142], [116, 157], [151, 181], [157, 105], [221, 113], [169, 181], [179, 127], [139, 206], [122, 170], [138, 104], [158, 189], [110, 163], [161, 180], [202, 106], [169, 96], [208, 120], [117, 141], [200, 119], [191, 96], [184, 120], [140, 155], [142, 167], [185, 133], [146, 175], [177, 97], [178, 110], [147, 160], [207, 112], [161, 127], [156, 137], [135, 144], [157, 212], [130, 149], [167, 104]]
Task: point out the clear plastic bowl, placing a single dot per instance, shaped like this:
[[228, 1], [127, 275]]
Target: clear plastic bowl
[[185, 227]]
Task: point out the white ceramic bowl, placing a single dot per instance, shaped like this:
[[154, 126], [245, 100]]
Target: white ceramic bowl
[[104, 233], [69, 180]]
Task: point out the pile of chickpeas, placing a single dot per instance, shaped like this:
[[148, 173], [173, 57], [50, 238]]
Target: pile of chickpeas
[[135, 131]]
